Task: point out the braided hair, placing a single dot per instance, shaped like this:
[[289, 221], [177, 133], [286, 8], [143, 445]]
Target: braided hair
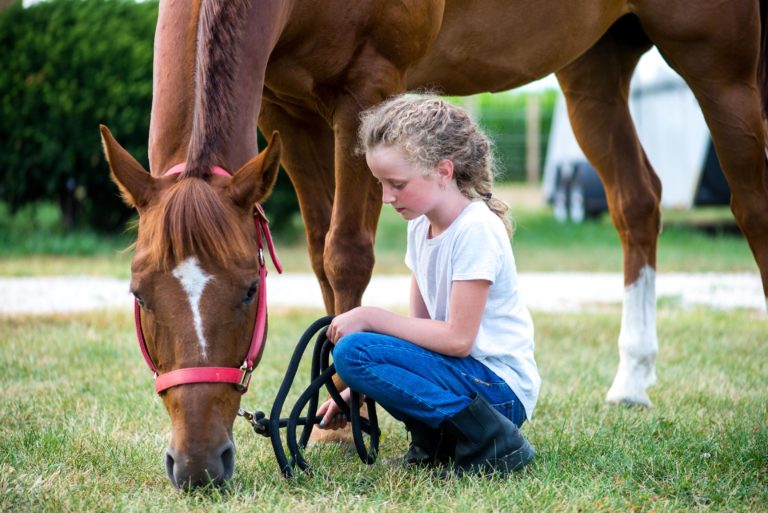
[[428, 129]]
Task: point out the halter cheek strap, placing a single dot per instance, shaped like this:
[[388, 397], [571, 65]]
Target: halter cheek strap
[[240, 377]]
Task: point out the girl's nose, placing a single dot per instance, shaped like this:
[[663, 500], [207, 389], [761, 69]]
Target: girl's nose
[[386, 195]]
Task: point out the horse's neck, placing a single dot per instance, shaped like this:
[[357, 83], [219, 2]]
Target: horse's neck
[[207, 93]]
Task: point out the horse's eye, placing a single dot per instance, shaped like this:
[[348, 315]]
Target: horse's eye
[[139, 300], [251, 293]]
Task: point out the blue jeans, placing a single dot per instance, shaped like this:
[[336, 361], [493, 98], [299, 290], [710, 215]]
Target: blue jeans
[[410, 381]]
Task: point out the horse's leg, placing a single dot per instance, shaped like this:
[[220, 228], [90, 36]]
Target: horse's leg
[[720, 67], [308, 153], [307, 157], [357, 203], [340, 212], [349, 254], [596, 88]]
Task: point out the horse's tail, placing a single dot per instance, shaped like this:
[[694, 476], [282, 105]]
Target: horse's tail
[[762, 70], [219, 26]]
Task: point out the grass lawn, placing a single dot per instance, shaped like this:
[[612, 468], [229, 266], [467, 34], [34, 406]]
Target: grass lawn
[[82, 430], [540, 244], [700, 240]]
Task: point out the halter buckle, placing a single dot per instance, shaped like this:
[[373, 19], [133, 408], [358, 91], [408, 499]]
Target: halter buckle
[[245, 378], [262, 262]]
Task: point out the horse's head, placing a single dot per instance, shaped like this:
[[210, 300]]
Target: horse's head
[[196, 278]]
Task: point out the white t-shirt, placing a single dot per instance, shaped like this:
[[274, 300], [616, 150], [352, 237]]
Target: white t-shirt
[[476, 247]]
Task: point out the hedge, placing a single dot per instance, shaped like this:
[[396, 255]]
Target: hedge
[[69, 65]]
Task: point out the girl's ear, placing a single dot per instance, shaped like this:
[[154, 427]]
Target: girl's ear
[[444, 170]]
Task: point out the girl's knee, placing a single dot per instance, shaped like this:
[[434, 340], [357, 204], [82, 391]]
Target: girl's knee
[[347, 355]]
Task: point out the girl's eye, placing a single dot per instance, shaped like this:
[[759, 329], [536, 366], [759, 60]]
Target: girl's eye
[[250, 294], [398, 186]]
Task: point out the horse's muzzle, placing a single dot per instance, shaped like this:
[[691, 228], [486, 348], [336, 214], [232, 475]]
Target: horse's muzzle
[[215, 468]]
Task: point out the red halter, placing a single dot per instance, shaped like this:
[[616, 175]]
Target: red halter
[[238, 376]]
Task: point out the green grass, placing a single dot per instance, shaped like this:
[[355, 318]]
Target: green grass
[[540, 244], [82, 430], [696, 240]]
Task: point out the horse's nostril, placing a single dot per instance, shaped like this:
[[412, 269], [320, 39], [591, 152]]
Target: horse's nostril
[[170, 465], [228, 461], [188, 473]]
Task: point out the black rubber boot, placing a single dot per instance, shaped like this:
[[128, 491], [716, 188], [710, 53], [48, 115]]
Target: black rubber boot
[[428, 445], [486, 441]]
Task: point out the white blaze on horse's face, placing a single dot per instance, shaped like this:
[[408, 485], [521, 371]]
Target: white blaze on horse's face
[[194, 279], [638, 343]]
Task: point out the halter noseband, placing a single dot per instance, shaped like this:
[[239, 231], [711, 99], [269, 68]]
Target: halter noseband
[[238, 376]]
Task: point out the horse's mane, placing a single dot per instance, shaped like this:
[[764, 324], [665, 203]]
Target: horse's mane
[[762, 73], [192, 221], [219, 26]]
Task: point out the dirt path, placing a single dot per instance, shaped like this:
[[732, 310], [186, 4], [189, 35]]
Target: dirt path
[[541, 291]]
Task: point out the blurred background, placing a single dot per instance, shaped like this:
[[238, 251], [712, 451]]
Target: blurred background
[[67, 66]]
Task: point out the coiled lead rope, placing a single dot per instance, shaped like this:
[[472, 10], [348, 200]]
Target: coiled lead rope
[[321, 375]]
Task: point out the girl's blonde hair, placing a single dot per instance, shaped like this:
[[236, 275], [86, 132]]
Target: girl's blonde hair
[[428, 129]]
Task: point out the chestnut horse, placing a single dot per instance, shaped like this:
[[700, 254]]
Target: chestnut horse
[[308, 68]]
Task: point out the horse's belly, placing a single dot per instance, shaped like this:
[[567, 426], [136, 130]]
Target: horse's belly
[[497, 45]]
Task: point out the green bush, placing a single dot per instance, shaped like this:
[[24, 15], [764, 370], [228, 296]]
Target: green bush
[[67, 66], [36, 228]]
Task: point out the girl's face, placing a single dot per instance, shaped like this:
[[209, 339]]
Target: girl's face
[[403, 184]]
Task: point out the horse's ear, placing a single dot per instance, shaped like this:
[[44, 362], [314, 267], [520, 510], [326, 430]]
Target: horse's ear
[[254, 181], [135, 183]]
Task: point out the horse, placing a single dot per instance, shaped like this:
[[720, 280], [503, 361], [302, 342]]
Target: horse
[[306, 69]]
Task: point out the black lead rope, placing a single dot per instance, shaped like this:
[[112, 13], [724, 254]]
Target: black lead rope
[[321, 376]]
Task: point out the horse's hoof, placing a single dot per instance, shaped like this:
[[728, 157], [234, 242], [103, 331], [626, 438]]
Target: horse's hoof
[[341, 436], [640, 400]]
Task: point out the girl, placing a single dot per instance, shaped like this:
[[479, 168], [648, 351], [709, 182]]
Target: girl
[[459, 371]]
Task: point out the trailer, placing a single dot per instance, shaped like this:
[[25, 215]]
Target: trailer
[[673, 133]]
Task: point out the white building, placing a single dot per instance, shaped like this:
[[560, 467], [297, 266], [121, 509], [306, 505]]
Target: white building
[[672, 130]]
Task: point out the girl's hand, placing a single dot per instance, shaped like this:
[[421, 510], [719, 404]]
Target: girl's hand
[[353, 321], [332, 416]]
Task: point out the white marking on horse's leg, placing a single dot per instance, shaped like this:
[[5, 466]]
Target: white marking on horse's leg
[[193, 279], [638, 343]]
